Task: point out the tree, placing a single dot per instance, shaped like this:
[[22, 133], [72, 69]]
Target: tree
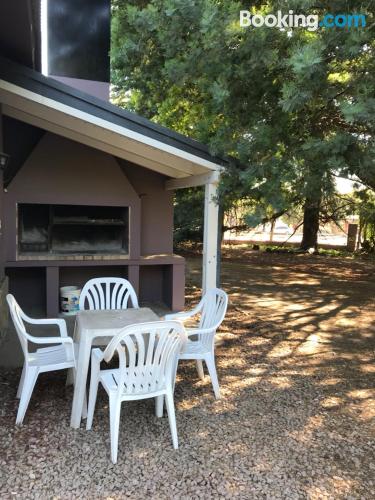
[[188, 220], [292, 108], [365, 199]]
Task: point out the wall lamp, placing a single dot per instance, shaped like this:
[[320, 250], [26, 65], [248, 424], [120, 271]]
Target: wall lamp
[[4, 160]]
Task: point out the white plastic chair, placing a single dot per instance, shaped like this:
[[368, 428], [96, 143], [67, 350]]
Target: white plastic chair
[[212, 309], [45, 359], [107, 293], [148, 357]]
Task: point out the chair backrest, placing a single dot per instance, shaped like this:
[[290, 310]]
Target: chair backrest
[[148, 354], [213, 308], [107, 293], [17, 317]]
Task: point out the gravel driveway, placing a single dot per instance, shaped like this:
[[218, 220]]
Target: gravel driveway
[[296, 418]]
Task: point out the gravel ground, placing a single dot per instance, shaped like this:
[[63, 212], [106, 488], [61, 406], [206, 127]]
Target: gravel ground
[[296, 420]]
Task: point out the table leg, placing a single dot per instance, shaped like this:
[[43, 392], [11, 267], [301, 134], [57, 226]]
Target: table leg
[[159, 406], [80, 381], [71, 371]]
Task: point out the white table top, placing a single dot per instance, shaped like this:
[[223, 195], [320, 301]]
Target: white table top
[[107, 322]]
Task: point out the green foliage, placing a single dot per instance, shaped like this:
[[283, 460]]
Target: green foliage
[[293, 108], [188, 221], [366, 211]]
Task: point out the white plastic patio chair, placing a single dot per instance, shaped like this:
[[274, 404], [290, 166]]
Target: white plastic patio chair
[[148, 357], [45, 359], [107, 293], [212, 309]]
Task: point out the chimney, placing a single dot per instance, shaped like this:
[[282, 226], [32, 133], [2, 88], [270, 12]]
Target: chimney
[[76, 44]]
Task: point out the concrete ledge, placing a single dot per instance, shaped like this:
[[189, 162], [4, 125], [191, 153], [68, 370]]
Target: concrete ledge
[[4, 315]]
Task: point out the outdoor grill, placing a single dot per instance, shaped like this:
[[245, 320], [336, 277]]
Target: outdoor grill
[[68, 229]]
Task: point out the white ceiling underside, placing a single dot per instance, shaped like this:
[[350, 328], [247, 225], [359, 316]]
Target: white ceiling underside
[[114, 139]]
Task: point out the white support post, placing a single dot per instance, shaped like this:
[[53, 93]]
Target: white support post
[[210, 236]]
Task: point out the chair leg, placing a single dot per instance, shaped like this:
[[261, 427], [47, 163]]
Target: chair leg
[[172, 418], [210, 362], [84, 407], [31, 374], [22, 379], [175, 367], [200, 368], [159, 406], [94, 384], [114, 417], [70, 377]]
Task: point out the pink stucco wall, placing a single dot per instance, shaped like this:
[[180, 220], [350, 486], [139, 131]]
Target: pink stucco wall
[[66, 172], [61, 171], [156, 208]]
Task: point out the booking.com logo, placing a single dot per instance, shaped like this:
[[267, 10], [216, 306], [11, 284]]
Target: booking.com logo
[[310, 22]]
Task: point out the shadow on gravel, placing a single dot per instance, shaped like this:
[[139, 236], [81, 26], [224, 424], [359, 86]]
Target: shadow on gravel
[[296, 365]]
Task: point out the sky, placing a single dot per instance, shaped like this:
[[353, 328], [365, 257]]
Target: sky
[[344, 186]]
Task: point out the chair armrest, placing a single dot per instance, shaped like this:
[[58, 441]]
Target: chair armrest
[[177, 316], [50, 340], [48, 321], [183, 314], [199, 331], [97, 355]]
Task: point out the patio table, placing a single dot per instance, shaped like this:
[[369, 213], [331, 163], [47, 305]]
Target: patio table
[[92, 325]]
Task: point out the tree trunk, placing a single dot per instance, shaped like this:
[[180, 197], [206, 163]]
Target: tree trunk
[[310, 224], [272, 229]]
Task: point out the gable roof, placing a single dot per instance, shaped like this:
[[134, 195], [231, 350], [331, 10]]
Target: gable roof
[[51, 105]]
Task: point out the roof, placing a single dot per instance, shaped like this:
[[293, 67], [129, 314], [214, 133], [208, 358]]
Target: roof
[[51, 105]]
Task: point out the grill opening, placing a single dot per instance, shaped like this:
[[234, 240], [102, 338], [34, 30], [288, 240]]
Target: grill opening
[[71, 229]]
